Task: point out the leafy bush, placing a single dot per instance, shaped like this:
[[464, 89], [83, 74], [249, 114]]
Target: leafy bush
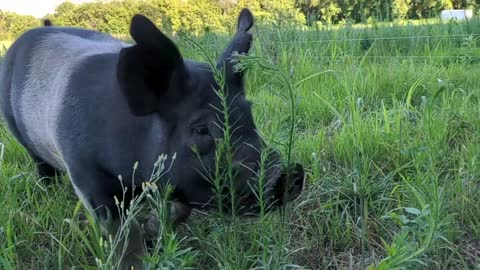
[[12, 24]]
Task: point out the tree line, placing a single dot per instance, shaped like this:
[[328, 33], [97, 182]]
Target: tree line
[[200, 16], [357, 11]]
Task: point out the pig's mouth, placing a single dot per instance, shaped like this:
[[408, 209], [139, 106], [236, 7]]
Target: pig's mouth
[[283, 186], [287, 184]]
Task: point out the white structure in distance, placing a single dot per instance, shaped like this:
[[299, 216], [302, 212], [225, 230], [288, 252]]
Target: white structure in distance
[[456, 14]]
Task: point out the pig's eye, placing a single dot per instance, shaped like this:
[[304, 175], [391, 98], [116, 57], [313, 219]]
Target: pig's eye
[[201, 130]]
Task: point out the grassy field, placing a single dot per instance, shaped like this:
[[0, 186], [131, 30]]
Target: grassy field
[[387, 124]]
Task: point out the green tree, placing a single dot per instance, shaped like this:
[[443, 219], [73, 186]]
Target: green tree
[[12, 24], [200, 16], [329, 11], [400, 9], [427, 8]]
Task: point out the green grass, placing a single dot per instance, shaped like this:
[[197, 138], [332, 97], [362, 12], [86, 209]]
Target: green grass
[[387, 126]]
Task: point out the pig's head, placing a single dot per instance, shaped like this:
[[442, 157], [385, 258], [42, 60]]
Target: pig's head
[[157, 81]]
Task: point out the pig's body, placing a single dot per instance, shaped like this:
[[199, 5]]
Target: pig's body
[[54, 79], [85, 103]]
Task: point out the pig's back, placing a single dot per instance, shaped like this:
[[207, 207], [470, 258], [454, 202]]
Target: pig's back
[[36, 80]]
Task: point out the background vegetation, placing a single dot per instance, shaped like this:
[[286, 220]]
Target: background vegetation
[[387, 126], [200, 16]]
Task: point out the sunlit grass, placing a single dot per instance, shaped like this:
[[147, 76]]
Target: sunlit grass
[[387, 124]]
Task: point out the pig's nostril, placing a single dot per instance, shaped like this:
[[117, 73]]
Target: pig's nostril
[[289, 185], [298, 175]]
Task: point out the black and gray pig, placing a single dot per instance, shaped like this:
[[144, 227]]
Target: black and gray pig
[[90, 105]]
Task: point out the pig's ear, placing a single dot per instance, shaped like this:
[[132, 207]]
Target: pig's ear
[[148, 72], [241, 43]]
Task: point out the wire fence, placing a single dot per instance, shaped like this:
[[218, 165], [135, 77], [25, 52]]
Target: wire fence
[[453, 52], [449, 37], [379, 38], [208, 45], [389, 56]]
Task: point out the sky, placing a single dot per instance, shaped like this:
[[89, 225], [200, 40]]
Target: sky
[[37, 8]]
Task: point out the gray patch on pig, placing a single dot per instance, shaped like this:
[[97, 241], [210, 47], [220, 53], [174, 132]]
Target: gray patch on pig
[[44, 93]]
